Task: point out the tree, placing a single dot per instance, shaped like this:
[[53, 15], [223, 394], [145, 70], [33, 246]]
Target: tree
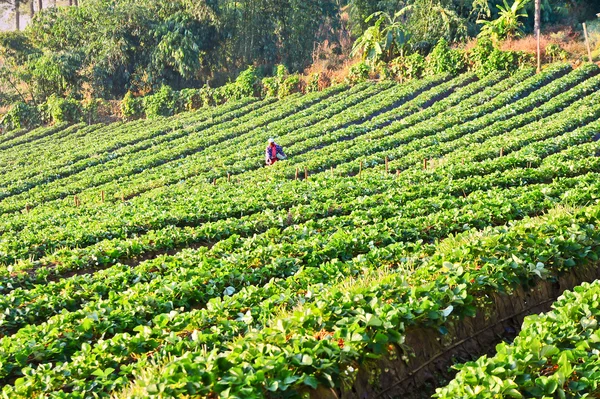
[[508, 24], [537, 17], [428, 21], [17, 14], [382, 41]]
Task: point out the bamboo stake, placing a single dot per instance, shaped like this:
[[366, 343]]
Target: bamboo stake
[[228, 178], [501, 152], [425, 164], [397, 173], [587, 42], [27, 208], [305, 173], [122, 197], [76, 201], [102, 195], [360, 170], [296, 178], [387, 166], [332, 174]]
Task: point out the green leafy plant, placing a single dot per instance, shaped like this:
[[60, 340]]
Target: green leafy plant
[[408, 67], [290, 85], [161, 103], [270, 86], [131, 107], [555, 53], [58, 110], [487, 57], [21, 115], [313, 83], [383, 41], [508, 24], [188, 100], [444, 59], [358, 73]]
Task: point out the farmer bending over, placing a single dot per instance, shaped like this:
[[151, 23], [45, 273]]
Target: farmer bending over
[[273, 153]]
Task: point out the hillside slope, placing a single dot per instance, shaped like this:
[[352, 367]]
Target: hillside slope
[[160, 258]]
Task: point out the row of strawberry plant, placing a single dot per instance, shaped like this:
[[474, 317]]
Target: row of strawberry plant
[[550, 97], [133, 161], [36, 134], [323, 342], [35, 305], [563, 120], [554, 355], [37, 230], [183, 285], [73, 153], [317, 155]]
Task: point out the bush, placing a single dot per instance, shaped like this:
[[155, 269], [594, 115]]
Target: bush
[[408, 67], [270, 86], [90, 107], [131, 107], [281, 72], [21, 116], [206, 96], [162, 103], [486, 58], [358, 73], [555, 53], [189, 100], [58, 110], [444, 59], [313, 83], [290, 85], [246, 84]]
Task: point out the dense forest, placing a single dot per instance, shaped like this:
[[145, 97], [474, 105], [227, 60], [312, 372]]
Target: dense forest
[[104, 48]]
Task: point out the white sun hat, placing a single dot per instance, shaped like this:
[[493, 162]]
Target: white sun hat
[[270, 141]]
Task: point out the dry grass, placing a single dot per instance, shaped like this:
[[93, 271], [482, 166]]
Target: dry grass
[[568, 40]]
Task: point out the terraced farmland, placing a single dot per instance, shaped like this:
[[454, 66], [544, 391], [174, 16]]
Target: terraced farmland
[[159, 258]]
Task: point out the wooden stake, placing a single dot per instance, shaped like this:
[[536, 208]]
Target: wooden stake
[[76, 201], [228, 178], [397, 173], [501, 152], [587, 42], [27, 208], [425, 164], [360, 170], [296, 174], [214, 182], [387, 166], [102, 195], [305, 173], [332, 174], [122, 197]]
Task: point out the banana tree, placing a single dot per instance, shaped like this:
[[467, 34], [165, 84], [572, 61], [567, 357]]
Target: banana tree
[[383, 41], [508, 24]]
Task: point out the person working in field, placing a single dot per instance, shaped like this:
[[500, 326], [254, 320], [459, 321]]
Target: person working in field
[[273, 153]]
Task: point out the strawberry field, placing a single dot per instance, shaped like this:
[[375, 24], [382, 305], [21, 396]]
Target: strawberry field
[[160, 258]]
